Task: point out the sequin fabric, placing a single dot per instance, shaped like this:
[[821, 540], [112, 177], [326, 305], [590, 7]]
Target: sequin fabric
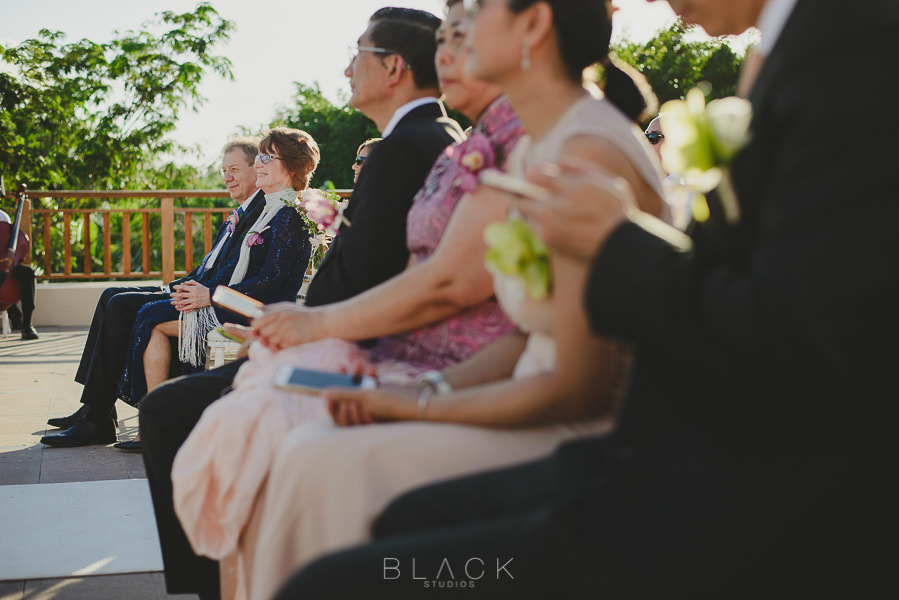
[[456, 338], [274, 274]]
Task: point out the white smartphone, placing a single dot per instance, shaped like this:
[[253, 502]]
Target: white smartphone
[[512, 184], [237, 302], [313, 382]]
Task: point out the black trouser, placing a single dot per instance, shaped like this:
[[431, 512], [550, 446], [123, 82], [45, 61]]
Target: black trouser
[[167, 416], [25, 275], [103, 358], [679, 528]]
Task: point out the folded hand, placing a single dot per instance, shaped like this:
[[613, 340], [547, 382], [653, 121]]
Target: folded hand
[[190, 295]]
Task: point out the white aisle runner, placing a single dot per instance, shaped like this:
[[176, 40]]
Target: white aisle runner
[[75, 529]]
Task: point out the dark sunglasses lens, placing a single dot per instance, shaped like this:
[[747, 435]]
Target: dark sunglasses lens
[[360, 160], [654, 137]]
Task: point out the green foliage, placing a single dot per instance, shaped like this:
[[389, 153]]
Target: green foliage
[[674, 65], [338, 130], [93, 116]]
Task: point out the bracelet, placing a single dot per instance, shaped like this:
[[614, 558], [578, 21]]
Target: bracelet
[[436, 381], [423, 397]]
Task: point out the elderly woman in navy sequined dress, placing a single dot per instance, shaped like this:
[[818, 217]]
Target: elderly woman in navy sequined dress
[[268, 265]]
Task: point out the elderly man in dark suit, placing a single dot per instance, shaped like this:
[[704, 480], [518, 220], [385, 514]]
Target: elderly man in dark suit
[[394, 82], [102, 360], [756, 445]]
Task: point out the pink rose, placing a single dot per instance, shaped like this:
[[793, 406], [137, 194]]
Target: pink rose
[[322, 212]]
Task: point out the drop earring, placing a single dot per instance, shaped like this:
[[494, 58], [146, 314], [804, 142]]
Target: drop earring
[[525, 57]]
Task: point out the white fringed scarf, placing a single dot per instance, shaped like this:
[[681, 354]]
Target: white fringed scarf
[[196, 324]]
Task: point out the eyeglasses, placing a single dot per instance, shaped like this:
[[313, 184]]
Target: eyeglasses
[[353, 51], [266, 158], [359, 160], [654, 137]]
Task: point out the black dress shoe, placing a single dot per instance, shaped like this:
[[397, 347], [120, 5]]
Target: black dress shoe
[[83, 433], [29, 333], [66, 422], [132, 446]]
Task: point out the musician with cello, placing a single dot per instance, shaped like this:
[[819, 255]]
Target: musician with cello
[[16, 279]]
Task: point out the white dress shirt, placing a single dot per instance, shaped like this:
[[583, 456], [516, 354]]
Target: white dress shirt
[[771, 23], [404, 110], [218, 247]]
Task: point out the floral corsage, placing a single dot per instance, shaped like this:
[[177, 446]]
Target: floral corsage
[[325, 209], [473, 156], [700, 144], [514, 250], [254, 238]]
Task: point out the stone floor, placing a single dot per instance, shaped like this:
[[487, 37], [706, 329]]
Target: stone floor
[[36, 382]]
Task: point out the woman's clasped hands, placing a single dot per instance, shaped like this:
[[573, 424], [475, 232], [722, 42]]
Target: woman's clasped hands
[[190, 295]]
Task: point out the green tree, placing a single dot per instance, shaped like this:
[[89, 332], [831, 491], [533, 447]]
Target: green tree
[[86, 115], [673, 65], [338, 130]]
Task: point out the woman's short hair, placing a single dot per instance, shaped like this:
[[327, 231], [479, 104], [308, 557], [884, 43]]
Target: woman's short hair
[[297, 150], [368, 144]]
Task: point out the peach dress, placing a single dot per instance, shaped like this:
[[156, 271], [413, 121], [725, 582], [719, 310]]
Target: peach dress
[[328, 483], [221, 470]]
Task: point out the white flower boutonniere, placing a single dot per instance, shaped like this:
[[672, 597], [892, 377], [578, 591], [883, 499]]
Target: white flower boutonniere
[[700, 144]]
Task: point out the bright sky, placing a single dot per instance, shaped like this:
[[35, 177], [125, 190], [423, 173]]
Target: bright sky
[[276, 43]]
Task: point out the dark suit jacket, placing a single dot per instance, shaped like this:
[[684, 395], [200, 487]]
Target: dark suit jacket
[[762, 410], [373, 249], [249, 217], [786, 325]]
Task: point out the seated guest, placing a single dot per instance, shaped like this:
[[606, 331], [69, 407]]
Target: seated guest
[[361, 154], [521, 396], [403, 104], [102, 360], [268, 264], [756, 449], [21, 320], [438, 312]]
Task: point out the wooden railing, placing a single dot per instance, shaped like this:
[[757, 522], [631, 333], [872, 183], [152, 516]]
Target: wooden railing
[[40, 221]]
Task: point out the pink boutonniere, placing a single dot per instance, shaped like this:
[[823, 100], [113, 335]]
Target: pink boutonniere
[[254, 238], [232, 221], [472, 156]]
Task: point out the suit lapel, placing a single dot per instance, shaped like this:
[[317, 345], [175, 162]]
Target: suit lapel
[[249, 217]]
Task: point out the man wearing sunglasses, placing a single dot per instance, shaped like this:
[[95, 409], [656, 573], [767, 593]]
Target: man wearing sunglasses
[[394, 82]]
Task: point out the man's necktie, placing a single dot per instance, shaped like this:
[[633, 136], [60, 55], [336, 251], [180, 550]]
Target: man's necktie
[[232, 221]]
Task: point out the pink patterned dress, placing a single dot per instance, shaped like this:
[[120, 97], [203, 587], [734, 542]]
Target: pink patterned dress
[[224, 463]]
